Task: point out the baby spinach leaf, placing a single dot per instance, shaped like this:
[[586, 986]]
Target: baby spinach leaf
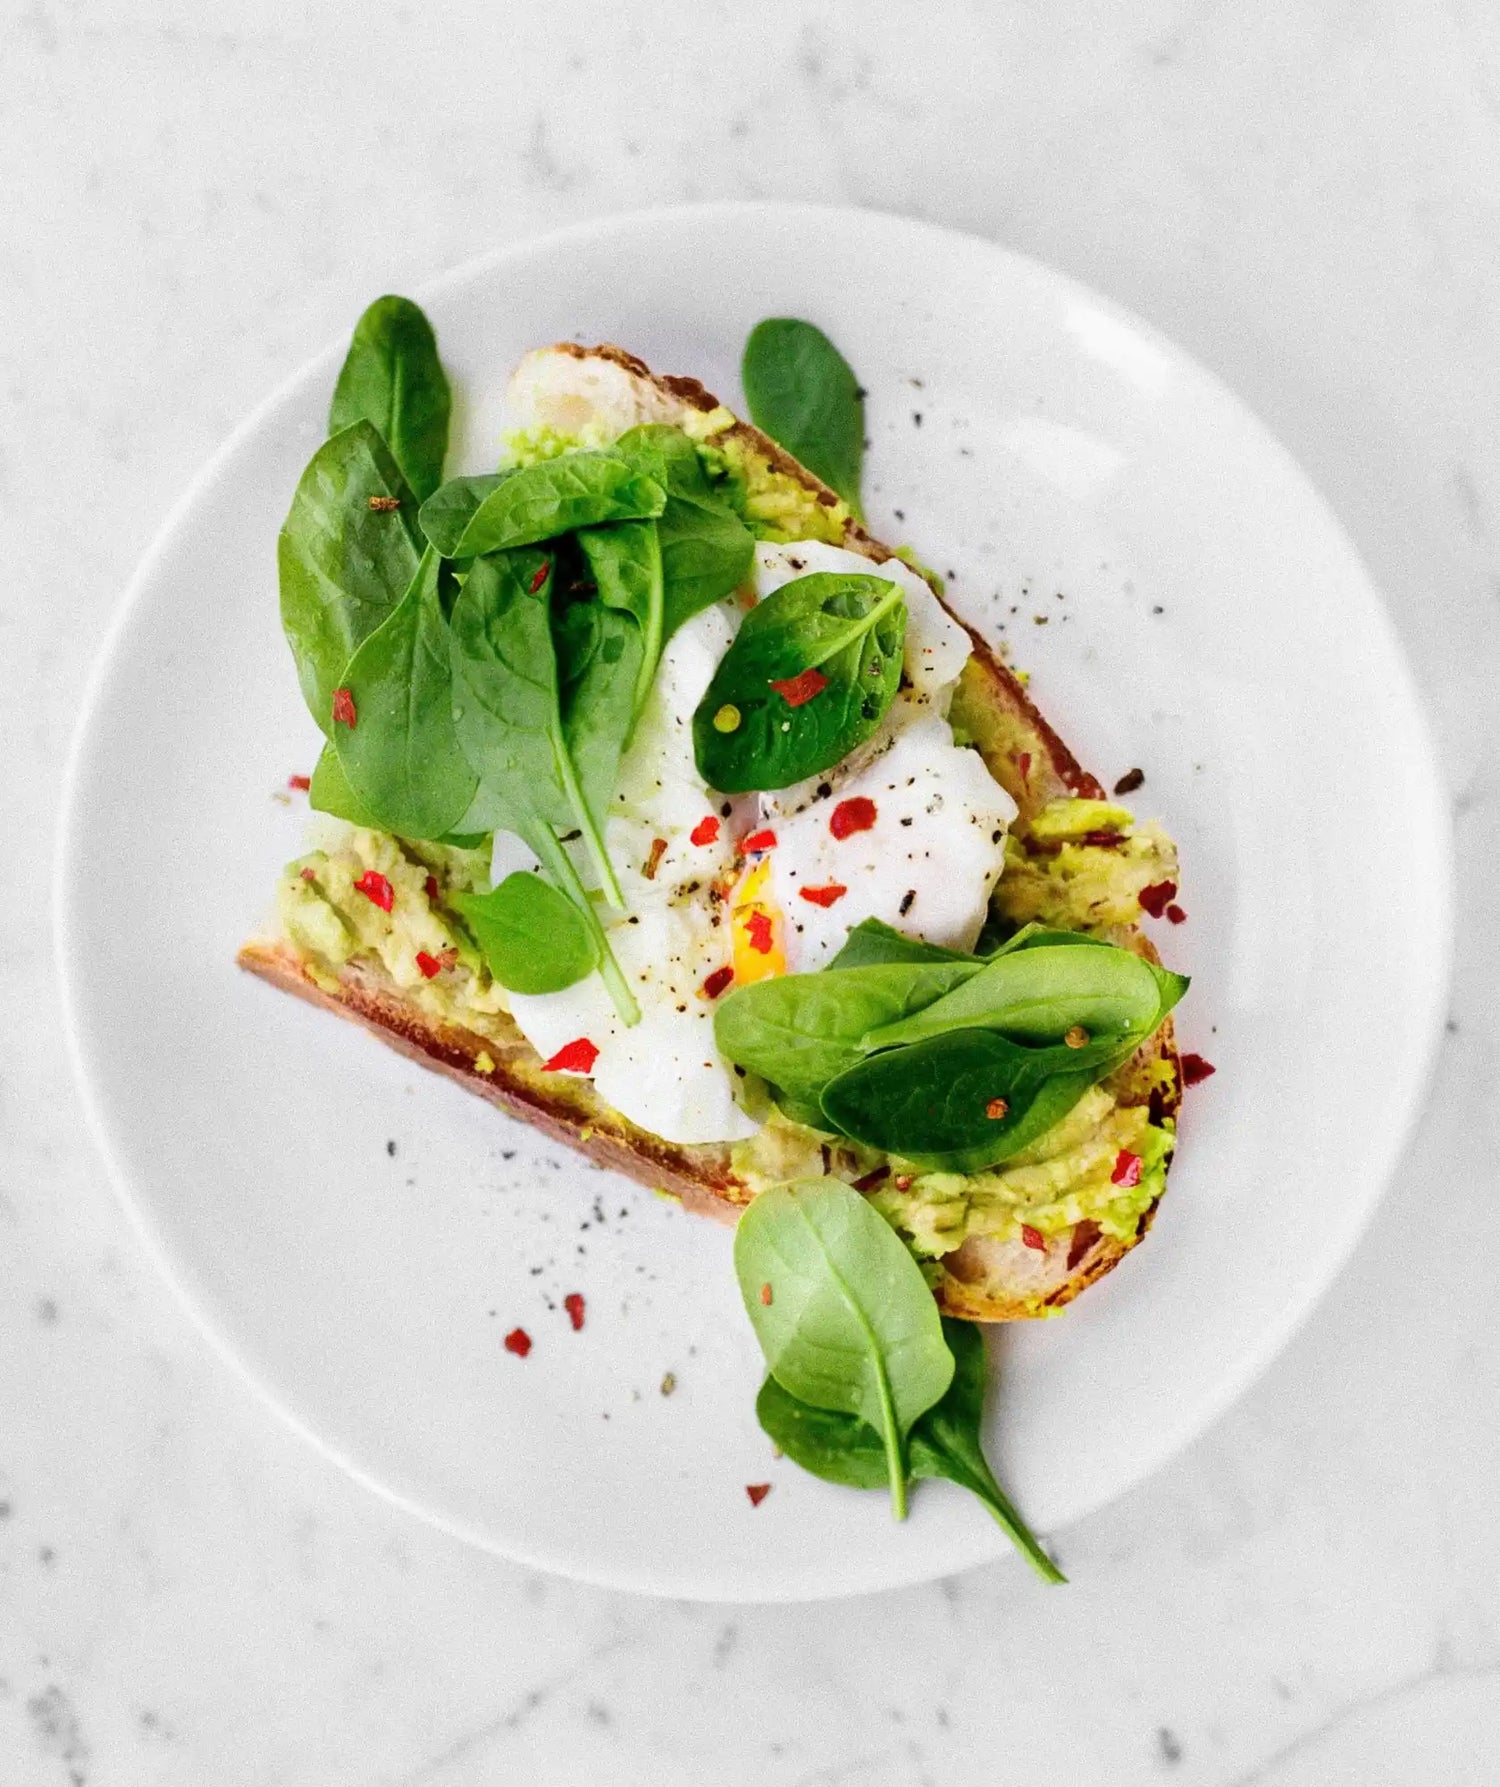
[[944, 1441], [509, 720], [343, 565], [392, 378], [450, 509], [801, 391], [626, 564], [801, 1030], [847, 1322], [932, 1102], [846, 630], [599, 655], [1038, 993], [329, 791], [533, 937], [706, 549], [402, 760], [872, 943], [557, 496]]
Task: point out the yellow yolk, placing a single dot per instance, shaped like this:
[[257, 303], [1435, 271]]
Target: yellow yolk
[[755, 925]]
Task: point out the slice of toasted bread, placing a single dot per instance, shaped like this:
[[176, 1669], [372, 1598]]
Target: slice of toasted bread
[[595, 394]]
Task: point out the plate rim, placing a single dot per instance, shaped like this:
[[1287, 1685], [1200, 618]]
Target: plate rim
[[1436, 837]]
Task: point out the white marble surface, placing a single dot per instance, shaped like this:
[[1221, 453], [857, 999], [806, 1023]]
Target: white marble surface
[[197, 198]]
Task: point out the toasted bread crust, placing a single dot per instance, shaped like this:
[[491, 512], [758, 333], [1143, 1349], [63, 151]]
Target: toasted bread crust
[[984, 1280]]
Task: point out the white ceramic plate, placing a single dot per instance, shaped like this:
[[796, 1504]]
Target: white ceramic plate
[[357, 1235]]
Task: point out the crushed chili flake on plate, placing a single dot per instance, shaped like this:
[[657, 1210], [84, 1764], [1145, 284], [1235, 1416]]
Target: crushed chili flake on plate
[[706, 831], [573, 1303], [1195, 1070], [757, 1493], [852, 815], [1156, 898], [823, 896], [518, 1341], [1127, 1169], [374, 886], [301, 783], [798, 690], [1176, 914], [577, 1056]]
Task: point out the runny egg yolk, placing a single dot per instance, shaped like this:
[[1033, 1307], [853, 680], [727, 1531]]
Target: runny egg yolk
[[756, 925]]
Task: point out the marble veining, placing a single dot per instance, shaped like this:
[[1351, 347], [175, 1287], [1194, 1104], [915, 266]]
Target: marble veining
[[195, 203]]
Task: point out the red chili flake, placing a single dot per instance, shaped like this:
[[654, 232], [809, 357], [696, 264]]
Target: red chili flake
[[903, 1182], [343, 708], [573, 1303], [997, 1108], [653, 860], [757, 1493], [374, 886], [759, 927], [1195, 1070], [432, 887], [1033, 1238], [823, 896], [765, 1295], [384, 505], [1156, 898], [1085, 1234], [1023, 764], [716, 982], [302, 783], [518, 1341], [1127, 1169], [760, 840], [850, 816], [797, 691], [309, 874], [543, 571], [1103, 840], [871, 1180], [1130, 781], [706, 831], [577, 1056], [1176, 914], [430, 966]]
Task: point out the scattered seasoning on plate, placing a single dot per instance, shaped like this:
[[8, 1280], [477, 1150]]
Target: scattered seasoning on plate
[[757, 1493], [823, 896], [1130, 781], [853, 815], [300, 783], [1176, 914], [706, 831], [668, 1383], [518, 1341], [908, 899], [653, 860], [573, 1303], [1195, 1070]]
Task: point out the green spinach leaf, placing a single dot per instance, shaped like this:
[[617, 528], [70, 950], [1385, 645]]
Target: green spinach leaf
[[956, 1103], [706, 549], [625, 561], [809, 677], [874, 944], [1038, 994], [343, 565], [392, 378], [509, 720], [450, 509], [558, 496], [842, 1312], [599, 654], [402, 760], [944, 1441], [801, 391], [533, 937], [329, 791], [801, 1030]]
